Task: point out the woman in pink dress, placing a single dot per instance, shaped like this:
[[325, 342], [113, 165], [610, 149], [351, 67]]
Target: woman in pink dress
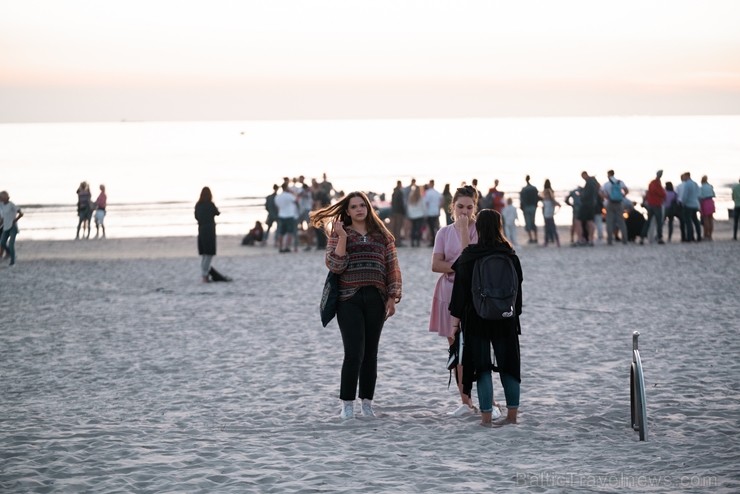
[[448, 244]]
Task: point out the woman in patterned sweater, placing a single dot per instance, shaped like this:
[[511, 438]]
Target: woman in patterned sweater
[[362, 252]]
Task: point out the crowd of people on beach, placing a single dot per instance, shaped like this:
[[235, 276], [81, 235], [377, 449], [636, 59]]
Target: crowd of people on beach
[[603, 211], [362, 253], [600, 211]]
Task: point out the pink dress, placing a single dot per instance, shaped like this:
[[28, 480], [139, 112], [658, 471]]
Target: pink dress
[[447, 242]]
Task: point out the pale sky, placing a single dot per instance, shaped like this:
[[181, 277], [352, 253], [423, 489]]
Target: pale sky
[[110, 60]]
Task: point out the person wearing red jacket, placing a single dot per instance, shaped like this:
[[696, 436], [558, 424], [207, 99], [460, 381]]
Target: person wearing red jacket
[[654, 204]]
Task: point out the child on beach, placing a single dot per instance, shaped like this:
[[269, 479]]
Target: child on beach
[[481, 334], [362, 252], [509, 213]]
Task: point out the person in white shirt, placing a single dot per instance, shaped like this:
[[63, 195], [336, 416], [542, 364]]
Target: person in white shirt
[[287, 207], [509, 214], [432, 206], [9, 216]]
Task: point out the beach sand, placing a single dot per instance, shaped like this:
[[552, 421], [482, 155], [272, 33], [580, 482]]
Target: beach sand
[[120, 371]]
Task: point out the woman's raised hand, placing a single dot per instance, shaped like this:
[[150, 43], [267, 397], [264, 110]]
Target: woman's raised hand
[[338, 227]]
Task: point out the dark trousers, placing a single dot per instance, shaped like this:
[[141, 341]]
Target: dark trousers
[[433, 224], [681, 225], [320, 239], [416, 225], [360, 321], [736, 217], [669, 222], [657, 213], [691, 222]]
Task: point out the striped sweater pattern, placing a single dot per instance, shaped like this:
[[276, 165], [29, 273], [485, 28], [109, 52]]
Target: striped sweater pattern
[[370, 260]]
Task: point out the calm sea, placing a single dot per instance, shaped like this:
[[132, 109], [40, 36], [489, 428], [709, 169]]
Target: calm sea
[[153, 171]]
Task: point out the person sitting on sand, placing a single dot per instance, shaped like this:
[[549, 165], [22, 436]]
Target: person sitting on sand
[[362, 252], [480, 333], [254, 235]]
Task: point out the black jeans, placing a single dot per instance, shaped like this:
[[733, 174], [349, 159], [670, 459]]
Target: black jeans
[[433, 224], [691, 222], [360, 321]]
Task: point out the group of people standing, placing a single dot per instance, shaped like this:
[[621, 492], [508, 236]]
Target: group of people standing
[[595, 204], [363, 253], [86, 207], [415, 211], [289, 207]]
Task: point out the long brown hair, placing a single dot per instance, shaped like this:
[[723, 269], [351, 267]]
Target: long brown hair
[[338, 211], [205, 195], [490, 229]]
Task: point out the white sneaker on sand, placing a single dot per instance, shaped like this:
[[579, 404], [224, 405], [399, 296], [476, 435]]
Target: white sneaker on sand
[[462, 411], [367, 409], [495, 413], [348, 410]]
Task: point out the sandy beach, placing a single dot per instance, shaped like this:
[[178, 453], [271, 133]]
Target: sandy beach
[[121, 372]]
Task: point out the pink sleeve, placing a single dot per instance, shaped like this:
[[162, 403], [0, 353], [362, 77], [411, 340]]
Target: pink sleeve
[[439, 241]]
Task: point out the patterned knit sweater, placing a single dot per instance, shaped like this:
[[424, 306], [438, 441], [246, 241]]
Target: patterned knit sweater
[[370, 260]]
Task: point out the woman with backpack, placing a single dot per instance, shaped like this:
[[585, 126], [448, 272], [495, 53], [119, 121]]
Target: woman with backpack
[[448, 244], [496, 255]]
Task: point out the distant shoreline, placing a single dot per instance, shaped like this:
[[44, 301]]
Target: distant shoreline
[[230, 246]]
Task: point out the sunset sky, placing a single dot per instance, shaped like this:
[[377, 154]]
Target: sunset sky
[[93, 60]]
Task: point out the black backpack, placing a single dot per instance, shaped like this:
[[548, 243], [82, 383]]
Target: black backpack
[[495, 287]]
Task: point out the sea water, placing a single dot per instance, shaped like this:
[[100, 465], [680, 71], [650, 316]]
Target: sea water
[[154, 171]]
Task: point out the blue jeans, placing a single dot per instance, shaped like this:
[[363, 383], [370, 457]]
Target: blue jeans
[[7, 240], [485, 391]]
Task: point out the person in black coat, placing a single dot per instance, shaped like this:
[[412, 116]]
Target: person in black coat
[[479, 334], [205, 214]]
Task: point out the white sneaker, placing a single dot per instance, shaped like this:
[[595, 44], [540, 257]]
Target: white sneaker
[[463, 410], [367, 408], [348, 410], [495, 413]]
